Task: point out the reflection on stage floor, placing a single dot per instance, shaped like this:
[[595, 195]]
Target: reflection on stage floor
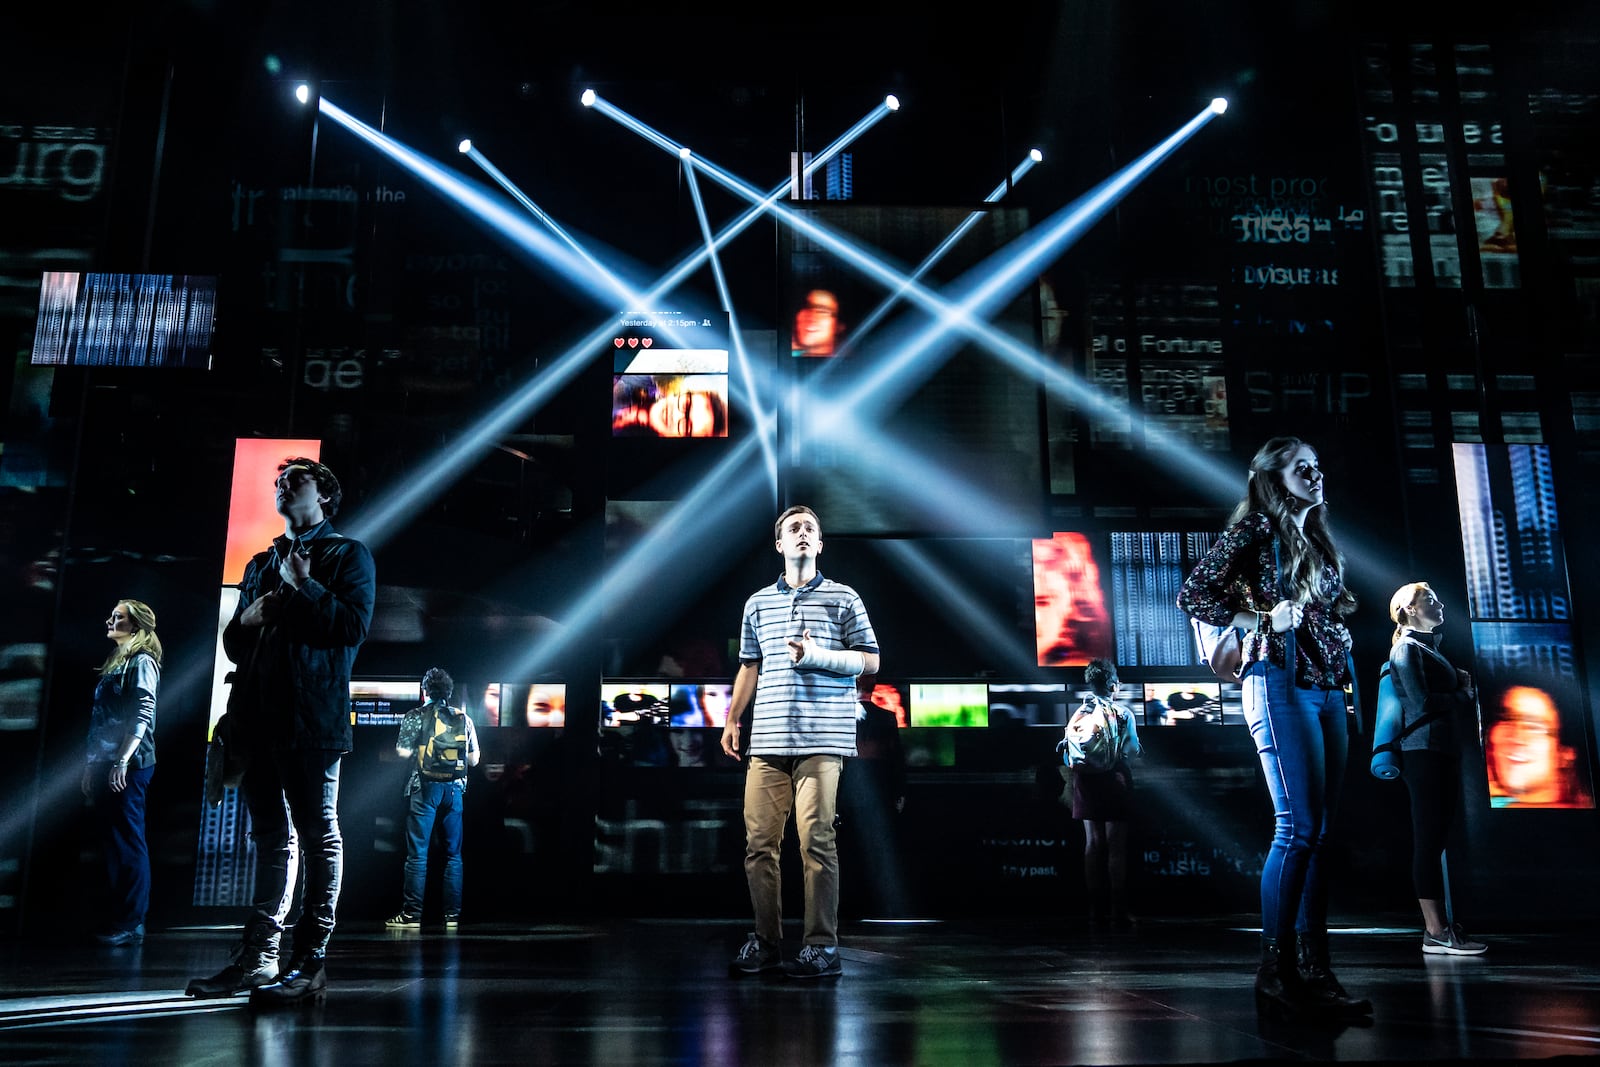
[[640, 991]]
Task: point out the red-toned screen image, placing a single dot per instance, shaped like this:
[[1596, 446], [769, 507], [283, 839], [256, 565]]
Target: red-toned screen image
[[816, 325], [890, 699], [253, 519], [1071, 623]]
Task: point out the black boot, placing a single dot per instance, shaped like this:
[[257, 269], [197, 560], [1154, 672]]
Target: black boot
[[1321, 984], [1280, 994], [254, 963], [305, 980]]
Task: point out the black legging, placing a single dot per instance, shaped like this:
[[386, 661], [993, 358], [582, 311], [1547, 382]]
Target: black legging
[[1432, 779]]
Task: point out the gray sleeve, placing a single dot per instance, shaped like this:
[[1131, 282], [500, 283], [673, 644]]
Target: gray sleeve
[[146, 684]]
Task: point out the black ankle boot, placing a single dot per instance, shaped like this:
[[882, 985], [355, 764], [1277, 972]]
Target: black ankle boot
[[1321, 984], [254, 963], [1280, 994], [305, 980]]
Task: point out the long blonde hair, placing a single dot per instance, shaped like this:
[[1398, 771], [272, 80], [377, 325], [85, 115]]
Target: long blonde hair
[[1403, 598], [144, 638], [1302, 556]]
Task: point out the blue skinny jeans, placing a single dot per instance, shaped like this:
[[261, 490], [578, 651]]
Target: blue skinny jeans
[[1303, 742]]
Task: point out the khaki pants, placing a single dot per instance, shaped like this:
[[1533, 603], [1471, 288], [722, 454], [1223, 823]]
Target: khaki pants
[[809, 785]]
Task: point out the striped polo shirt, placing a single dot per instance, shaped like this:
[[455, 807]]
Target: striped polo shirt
[[802, 711]]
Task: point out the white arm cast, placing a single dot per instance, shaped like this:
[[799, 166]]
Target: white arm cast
[[843, 661]]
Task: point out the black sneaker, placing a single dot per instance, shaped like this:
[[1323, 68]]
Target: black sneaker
[[754, 956], [815, 961], [452, 921], [403, 921]]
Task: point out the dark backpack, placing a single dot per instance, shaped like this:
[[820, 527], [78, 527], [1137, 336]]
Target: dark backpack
[[442, 748]]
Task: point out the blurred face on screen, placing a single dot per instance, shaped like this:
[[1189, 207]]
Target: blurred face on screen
[[816, 324], [546, 707], [1524, 749], [1069, 616], [715, 700], [691, 414]]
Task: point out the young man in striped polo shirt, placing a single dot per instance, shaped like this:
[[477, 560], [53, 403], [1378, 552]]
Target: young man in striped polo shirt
[[804, 641]]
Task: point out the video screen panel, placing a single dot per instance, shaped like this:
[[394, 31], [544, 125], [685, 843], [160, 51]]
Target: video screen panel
[[700, 703], [1071, 623], [1147, 571], [1510, 533], [1187, 703], [543, 706], [893, 699], [1032, 704], [669, 377], [125, 320], [383, 701], [949, 704], [1535, 744], [624, 703]]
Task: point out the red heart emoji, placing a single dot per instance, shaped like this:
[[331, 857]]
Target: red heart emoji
[[647, 342], [633, 342], [617, 341]]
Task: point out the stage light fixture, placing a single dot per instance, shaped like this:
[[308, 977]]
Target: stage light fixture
[[1218, 106], [684, 153], [588, 98], [892, 102], [302, 93], [1036, 155], [465, 146]]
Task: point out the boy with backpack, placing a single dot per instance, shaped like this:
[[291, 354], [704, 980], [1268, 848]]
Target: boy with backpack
[[445, 745]]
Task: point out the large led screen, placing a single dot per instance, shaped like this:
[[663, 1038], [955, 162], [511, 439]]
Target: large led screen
[[1530, 691], [125, 320]]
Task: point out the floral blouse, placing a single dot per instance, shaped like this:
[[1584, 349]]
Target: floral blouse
[[1240, 574]]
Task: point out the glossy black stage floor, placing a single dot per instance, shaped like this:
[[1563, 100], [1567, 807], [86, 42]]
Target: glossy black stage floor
[[966, 992]]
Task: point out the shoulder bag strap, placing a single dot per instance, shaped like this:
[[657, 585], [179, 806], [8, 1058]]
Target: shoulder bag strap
[[1289, 656]]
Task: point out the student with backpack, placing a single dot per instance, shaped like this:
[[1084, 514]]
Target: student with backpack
[[445, 745], [1101, 737]]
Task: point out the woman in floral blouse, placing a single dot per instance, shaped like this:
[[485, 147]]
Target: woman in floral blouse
[[1277, 577]]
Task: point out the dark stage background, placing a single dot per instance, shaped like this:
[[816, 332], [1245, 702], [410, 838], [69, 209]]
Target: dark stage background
[[1389, 245]]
